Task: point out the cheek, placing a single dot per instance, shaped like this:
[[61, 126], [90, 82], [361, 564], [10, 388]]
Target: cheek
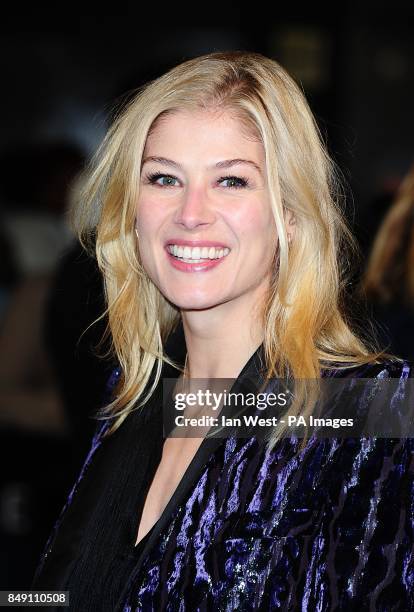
[[147, 225], [149, 218], [261, 236], [255, 222]]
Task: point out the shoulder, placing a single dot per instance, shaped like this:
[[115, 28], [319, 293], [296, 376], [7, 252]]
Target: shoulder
[[112, 381], [378, 397], [385, 368]]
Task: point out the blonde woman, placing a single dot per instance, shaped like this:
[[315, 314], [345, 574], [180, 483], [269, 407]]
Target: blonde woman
[[219, 235], [388, 281]]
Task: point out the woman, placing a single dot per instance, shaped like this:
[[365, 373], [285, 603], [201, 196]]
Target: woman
[[389, 278], [220, 241]]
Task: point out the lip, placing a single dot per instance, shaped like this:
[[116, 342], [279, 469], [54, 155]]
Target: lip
[[203, 266], [196, 243]]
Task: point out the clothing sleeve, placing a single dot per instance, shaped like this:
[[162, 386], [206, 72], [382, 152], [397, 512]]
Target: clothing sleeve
[[101, 428], [360, 554], [329, 528]]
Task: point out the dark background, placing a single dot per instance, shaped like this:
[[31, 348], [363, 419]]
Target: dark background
[[61, 76], [60, 81]]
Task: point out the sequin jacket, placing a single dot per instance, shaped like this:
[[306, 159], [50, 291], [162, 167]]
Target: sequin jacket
[[328, 528]]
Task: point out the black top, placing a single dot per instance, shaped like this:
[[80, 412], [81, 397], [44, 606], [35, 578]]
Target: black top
[[96, 579], [140, 546], [104, 596], [94, 553]]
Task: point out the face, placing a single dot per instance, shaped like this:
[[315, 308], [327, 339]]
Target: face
[[207, 236]]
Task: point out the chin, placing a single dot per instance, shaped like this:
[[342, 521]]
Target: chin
[[192, 302]]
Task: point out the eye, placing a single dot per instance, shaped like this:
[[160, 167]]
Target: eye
[[236, 182], [154, 178]]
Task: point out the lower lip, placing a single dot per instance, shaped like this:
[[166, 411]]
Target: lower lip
[[196, 267]]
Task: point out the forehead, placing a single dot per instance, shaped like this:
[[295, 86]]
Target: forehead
[[203, 130]]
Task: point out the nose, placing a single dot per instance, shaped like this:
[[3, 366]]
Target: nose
[[194, 209]]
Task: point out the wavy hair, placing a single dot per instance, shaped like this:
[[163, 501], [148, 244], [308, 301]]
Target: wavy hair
[[390, 270], [304, 324]]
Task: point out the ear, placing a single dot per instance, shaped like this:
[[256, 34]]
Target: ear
[[290, 222]]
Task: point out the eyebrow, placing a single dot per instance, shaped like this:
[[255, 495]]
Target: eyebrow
[[226, 163]]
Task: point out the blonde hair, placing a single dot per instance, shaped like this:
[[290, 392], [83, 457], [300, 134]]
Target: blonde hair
[[304, 327], [389, 273]]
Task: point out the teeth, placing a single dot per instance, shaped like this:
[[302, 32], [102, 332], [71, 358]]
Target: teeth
[[197, 254]]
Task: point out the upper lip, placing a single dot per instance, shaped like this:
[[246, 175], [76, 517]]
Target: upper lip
[[196, 243]]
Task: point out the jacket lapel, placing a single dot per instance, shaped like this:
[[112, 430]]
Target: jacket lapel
[[249, 380]]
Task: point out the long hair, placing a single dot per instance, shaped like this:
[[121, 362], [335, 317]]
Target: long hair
[[303, 320], [390, 270]]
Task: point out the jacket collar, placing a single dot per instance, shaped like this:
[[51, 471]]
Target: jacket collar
[[249, 380]]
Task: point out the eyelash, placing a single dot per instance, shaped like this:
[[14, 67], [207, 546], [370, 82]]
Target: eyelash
[[152, 178]]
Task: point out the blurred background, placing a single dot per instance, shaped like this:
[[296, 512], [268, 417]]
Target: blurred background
[[61, 79]]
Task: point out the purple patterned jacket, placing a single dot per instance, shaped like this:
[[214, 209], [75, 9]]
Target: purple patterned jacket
[[328, 528]]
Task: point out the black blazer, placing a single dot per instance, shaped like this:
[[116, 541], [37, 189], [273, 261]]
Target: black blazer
[[329, 528]]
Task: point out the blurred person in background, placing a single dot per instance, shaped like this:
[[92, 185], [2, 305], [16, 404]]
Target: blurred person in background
[[388, 281], [45, 308], [8, 273], [34, 221]]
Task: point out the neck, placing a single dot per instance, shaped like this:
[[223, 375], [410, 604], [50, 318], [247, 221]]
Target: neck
[[221, 340]]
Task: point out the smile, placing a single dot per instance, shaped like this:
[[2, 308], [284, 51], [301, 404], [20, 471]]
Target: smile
[[197, 254]]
